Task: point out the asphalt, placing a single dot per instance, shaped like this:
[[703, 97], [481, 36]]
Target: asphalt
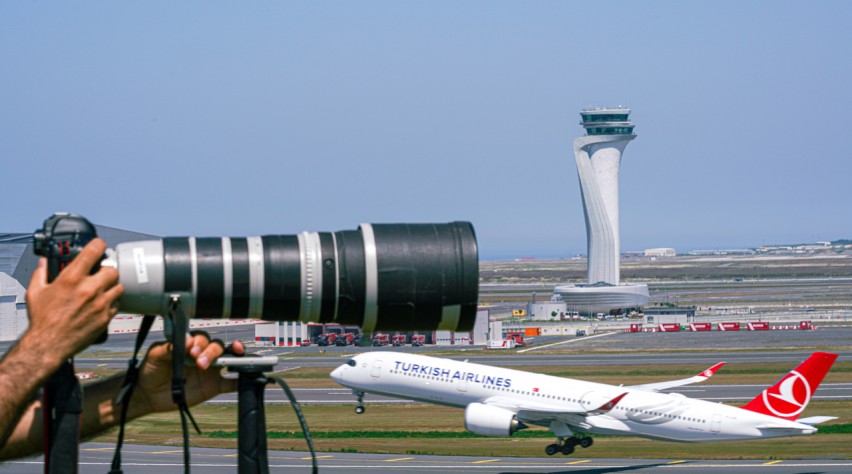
[[96, 457]]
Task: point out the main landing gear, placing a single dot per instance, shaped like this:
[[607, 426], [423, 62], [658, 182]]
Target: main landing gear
[[360, 408], [566, 445]]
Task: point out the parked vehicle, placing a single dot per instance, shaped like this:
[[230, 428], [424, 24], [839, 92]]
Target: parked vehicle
[[518, 338], [345, 339], [381, 340], [418, 340], [326, 339]]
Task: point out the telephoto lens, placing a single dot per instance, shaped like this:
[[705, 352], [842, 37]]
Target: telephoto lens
[[379, 277]]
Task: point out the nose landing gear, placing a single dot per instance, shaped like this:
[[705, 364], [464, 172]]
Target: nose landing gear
[[360, 408]]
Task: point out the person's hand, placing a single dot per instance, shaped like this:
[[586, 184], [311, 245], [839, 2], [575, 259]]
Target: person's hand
[[68, 314], [154, 392]]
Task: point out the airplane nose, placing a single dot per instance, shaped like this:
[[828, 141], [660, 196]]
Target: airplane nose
[[337, 374]]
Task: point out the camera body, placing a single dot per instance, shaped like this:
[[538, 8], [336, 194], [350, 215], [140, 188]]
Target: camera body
[[61, 238]]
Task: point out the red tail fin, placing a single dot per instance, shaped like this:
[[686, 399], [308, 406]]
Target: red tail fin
[[790, 395]]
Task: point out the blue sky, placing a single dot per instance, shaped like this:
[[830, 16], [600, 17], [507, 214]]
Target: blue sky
[[250, 118]]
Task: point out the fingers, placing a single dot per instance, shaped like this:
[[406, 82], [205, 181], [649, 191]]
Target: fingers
[[203, 351], [237, 348], [39, 278], [86, 259]]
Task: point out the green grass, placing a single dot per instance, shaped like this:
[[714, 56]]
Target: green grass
[[429, 429]]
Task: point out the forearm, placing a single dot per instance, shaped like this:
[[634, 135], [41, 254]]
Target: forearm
[[21, 375], [99, 414]]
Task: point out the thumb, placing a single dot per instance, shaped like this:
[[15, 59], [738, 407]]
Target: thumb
[[38, 280]]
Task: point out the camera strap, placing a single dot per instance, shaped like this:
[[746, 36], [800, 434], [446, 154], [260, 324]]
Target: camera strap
[[179, 329], [126, 392], [62, 407], [302, 422]]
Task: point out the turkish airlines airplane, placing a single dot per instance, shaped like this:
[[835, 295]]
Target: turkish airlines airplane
[[499, 402]]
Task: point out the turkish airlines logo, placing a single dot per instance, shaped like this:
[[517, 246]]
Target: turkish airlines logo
[[708, 373], [791, 396]]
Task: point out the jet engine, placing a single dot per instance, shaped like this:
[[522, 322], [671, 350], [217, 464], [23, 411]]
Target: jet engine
[[489, 420]]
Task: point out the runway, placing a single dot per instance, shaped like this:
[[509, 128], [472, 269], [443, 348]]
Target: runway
[[143, 459], [96, 457]]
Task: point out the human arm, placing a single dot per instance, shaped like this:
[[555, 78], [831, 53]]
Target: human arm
[[152, 394], [65, 317]]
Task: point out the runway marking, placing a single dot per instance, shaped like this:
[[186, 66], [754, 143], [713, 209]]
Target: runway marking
[[579, 462], [101, 365], [167, 452], [398, 459], [586, 338], [318, 457], [772, 462], [485, 461], [98, 449], [676, 462]]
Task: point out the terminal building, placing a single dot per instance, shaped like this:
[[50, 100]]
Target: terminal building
[[598, 157]]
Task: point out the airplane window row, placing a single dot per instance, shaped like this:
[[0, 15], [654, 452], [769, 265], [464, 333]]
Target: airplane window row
[[565, 399], [503, 389]]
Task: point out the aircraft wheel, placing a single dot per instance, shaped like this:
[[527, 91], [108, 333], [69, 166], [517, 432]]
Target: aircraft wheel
[[567, 449], [586, 442], [359, 409], [551, 449]]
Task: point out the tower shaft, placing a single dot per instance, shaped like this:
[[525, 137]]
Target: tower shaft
[[598, 155]]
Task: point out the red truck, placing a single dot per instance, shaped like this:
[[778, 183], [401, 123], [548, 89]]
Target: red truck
[[381, 340], [398, 340], [326, 339], [418, 340], [518, 338], [346, 339]]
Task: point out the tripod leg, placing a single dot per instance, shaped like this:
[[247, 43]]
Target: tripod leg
[[252, 457]]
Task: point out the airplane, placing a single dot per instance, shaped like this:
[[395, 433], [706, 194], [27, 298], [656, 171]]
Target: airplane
[[499, 401]]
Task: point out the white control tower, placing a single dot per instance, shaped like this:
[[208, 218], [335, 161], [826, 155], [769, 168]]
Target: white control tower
[[598, 156]]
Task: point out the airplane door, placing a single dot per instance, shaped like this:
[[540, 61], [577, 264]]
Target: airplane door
[[716, 423], [377, 368]]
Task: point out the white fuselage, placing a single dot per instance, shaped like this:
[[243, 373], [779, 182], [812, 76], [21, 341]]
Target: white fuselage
[[540, 399]]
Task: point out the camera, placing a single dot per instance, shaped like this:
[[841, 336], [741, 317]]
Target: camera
[[379, 276], [60, 239]]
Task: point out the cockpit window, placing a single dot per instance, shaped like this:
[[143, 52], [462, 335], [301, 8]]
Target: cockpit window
[[351, 362]]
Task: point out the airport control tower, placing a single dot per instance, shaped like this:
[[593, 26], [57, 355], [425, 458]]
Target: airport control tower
[[598, 155]]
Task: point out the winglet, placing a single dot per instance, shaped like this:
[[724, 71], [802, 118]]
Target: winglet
[[607, 406], [711, 371]]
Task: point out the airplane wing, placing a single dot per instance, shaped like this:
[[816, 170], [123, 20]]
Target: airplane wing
[[655, 387], [538, 412]]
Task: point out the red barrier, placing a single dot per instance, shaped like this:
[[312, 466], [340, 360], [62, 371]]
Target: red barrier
[[700, 327], [635, 328], [729, 326], [669, 327], [758, 326]]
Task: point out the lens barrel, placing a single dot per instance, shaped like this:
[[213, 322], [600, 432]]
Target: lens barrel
[[379, 277]]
